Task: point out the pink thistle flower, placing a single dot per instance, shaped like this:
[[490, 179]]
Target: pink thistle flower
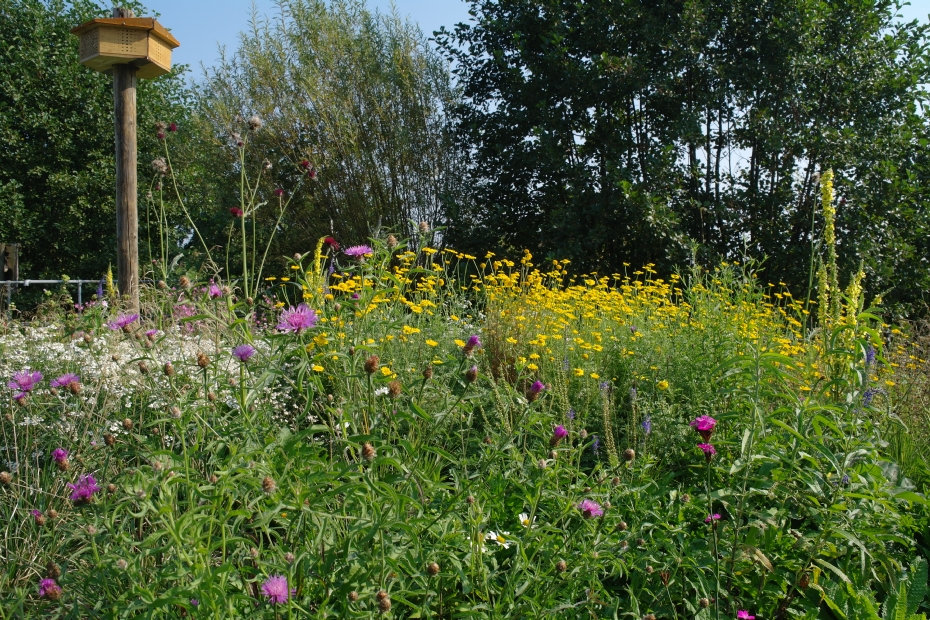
[[359, 251], [713, 518], [36, 514], [243, 352], [65, 380], [704, 425], [123, 321], [275, 589], [59, 455], [590, 509], [558, 434], [215, 291], [24, 381], [535, 389], [84, 490], [297, 319], [49, 589], [472, 342], [744, 615]]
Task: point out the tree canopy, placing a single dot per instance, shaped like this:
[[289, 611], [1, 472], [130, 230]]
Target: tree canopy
[[615, 131]]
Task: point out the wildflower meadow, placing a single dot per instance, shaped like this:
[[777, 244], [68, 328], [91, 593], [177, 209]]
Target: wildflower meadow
[[399, 429]]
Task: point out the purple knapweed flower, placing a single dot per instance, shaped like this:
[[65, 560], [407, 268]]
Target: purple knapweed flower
[[65, 380], [36, 514], [358, 251], [558, 434], [647, 425], [712, 518], [49, 589], [123, 321], [704, 425], [84, 490], [195, 602], [243, 352], [590, 509], [275, 589], [473, 341], [535, 390], [215, 291], [23, 382], [356, 296], [297, 319], [59, 455]]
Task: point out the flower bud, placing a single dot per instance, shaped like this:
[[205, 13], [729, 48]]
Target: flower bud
[[432, 569], [471, 375], [368, 452], [561, 566], [202, 360], [394, 389], [629, 454], [353, 596], [52, 570], [143, 368], [127, 424], [372, 364], [268, 485], [169, 369]]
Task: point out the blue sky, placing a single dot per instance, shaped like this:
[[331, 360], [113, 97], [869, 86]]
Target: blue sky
[[200, 25]]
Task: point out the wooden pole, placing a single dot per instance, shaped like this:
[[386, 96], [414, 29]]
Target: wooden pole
[[127, 216]]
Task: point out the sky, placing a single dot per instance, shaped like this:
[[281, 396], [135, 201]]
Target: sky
[[202, 25]]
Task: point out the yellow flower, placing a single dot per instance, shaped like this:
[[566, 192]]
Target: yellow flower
[[386, 371], [432, 343], [662, 385], [460, 343], [512, 340], [285, 279], [410, 330], [579, 372], [318, 368], [594, 375], [532, 366], [889, 383]]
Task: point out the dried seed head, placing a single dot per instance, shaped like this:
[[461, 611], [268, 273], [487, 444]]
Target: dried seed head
[[289, 557], [140, 494], [255, 123], [561, 566], [541, 463], [615, 481], [162, 285], [664, 576], [160, 126], [63, 464], [704, 603], [650, 570], [685, 498], [111, 488], [268, 485], [428, 372], [371, 364], [649, 617], [88, 338], [122, 564], [74, 387], [381, 595], [175, 412], [169, 369], [624, 545], [115, 357], [53, 391], [641, 542], [143, 368], [91, 530], [202, 360], [52, 570], [470, 499], [432, 569], [127, 424], [391, 242], [159, 165], [488, 440], [109, 439], [583, 434], [368, 451], [254, 553], [353, 596], [622, 526], [184, 281], [629, 454], [394, 388], [384, 605], [213, 479], [424, 228], [40, 520], [52, 514], [553, 455], [211, 397], [157, 466]]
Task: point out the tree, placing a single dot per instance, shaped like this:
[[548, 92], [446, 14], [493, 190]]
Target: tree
[[358, 95], [57, 164], [615, 131]]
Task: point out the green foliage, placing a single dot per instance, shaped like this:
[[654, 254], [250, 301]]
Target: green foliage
[[57, 163], [358, 95], [612, 132]]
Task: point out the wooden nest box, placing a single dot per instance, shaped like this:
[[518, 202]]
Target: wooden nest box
[[138, 41]]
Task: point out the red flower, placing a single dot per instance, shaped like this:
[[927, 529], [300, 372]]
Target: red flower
[[279, 192], [173, 127], [236, 212], [305, 164], [312, 173], [331, 243], [160, 135]]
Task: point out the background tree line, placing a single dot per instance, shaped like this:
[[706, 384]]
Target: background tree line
[[607, 132]]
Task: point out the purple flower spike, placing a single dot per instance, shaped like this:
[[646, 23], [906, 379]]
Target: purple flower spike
[[59, 455], [243, 352], [123, 321], [359, 251], [275, 589], [590, 509], [65, 380], [84, 490], [647, 425], [297, 319]]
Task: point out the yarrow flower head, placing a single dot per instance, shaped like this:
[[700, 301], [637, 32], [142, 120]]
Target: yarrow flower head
[[243, 352], [744, 615], [84, 490], [123, 321], [49, 589], [65, 380], [23, 382], [275, 589], [590, 509], [704, 425], [297, 319], [359, 251]]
